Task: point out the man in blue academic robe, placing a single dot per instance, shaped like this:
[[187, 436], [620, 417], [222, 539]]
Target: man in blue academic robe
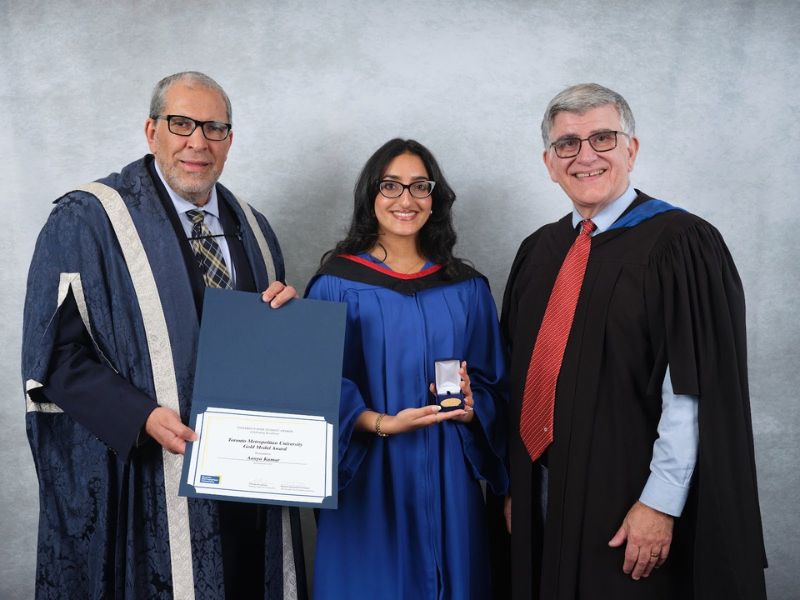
[[112, 312]]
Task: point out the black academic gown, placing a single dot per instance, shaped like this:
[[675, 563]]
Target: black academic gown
[[662, 292]]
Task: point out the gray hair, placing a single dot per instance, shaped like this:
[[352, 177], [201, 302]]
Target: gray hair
[[159, 98], [582, 98]]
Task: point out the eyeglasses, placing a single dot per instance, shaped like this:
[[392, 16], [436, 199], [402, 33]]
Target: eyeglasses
[[395, 189], [602, 141], [214, 131]]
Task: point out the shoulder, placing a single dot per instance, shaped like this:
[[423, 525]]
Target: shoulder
[[77, 208], [679, 227], [130, 182], [543, 232], [551, 231], [679, 240], [460, 271], [323, 287], [333, 288], [543, 245], [669, 218]]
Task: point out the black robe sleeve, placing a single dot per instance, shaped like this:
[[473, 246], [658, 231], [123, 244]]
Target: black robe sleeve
[[696, 295], [89, 390]]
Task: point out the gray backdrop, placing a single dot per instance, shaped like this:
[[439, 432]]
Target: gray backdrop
[[318, 86]]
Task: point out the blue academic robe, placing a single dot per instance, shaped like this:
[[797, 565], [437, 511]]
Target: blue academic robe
[[410, 522], [103, 530]]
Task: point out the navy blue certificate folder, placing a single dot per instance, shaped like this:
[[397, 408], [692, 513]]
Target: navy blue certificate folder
[[267, 384]]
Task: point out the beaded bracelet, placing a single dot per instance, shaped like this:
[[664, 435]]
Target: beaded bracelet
[[378, 426]]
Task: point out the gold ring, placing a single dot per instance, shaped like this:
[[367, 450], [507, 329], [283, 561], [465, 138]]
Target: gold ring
[[655, 555]]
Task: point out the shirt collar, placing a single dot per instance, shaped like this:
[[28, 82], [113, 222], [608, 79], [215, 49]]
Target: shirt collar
[[182, 205], [606, 217]]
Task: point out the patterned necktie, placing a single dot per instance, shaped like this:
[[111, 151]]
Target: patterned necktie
[[538, 399], [207, 252]]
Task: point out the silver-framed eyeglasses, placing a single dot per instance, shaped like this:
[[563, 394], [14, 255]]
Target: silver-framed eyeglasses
[[394, 189], [213, 131], [602, 141]]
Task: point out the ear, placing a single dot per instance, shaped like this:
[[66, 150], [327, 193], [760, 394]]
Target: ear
[[150, 134], [548, 157], [633, 150]]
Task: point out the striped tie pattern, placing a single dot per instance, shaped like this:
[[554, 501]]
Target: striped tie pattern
[[538, 399], [207, 252]]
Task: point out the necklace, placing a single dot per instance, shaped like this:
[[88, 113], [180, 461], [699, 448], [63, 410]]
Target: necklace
[[398, 266], [405, 270]]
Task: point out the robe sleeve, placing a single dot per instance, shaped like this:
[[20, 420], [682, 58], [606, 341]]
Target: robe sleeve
[[697, 315], [485, 439], [89, 390], [696, 306], [352, 448], [57, 349]]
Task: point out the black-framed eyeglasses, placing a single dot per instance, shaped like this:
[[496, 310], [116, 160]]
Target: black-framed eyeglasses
[[602, 141], [394, 189], [214, 131]]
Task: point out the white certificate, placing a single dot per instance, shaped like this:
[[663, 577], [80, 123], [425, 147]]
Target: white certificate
[[262, 455]]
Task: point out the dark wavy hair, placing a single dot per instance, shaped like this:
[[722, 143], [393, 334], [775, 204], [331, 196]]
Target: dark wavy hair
[[436, 238]]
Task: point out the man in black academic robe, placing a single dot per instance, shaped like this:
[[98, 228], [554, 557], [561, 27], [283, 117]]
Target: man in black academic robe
[[109, 346], [648, 489]]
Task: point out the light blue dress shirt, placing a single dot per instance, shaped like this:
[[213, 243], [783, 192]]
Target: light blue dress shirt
[[675, 449], [182, 206]]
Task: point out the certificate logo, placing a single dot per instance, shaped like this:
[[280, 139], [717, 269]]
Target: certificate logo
[[209, 479]]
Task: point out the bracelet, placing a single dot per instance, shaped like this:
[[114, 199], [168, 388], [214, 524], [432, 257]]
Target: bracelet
[[378, 426]]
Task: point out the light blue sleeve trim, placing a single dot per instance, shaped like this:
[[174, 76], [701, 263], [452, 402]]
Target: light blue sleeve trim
[[674, 452]]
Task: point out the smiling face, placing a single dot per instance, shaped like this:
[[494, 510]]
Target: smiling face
[[190, 164], [591, 179], [403, 217]]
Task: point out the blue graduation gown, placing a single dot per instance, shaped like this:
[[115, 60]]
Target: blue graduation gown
[[410, 522]]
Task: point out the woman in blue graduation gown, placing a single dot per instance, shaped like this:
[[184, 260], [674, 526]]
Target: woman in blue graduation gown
[[410, 522]]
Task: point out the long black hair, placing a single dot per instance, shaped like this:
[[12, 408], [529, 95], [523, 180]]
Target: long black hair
[[437, 237]]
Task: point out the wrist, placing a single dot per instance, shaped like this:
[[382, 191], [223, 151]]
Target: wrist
[[380, 426]]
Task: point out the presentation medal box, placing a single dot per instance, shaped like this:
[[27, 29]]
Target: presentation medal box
[[448, 384]]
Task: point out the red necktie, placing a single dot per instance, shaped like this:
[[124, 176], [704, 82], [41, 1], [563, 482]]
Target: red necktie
[[538, 399]]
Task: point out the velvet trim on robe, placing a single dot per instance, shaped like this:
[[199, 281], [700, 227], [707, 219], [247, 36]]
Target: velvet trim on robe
[[102, 525], [665, 291], [411, 516]]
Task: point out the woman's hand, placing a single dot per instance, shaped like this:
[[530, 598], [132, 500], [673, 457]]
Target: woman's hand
[[467, 414], [469, 403], [411, 419]]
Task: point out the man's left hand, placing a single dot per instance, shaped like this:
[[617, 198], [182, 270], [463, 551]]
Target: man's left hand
[[649, 535], [278, 294]]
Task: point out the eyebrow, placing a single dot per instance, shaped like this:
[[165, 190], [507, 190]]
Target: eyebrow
[[397, 178], [569, 136]]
